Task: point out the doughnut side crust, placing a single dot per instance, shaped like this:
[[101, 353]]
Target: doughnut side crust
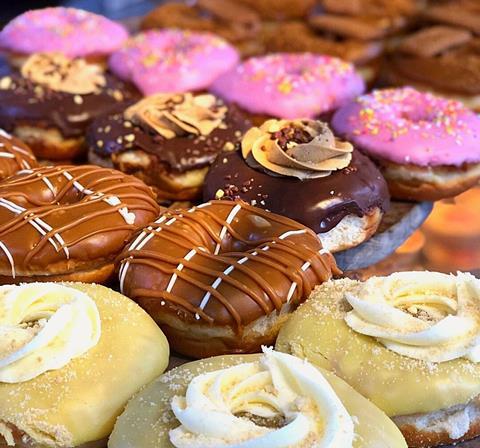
[[396, 384], [148, 419], [79, 403]]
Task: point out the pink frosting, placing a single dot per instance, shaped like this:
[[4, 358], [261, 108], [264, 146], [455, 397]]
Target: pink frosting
[[171, 60], [412, 127], [301, 85], [70, 31]]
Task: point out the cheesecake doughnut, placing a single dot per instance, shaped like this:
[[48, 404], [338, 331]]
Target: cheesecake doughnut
[[70, 31], [71, 356], [299, 169], [427, 147], [290, 85], [52, 100], [222, 277], [167, 140], [279, 401], [68, 222], [172, 60], [413, 348], [14, 155]]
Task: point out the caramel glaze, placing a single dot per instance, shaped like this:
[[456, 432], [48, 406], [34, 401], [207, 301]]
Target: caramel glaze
[[223, 263], [64, 218], [23, 102], [356, 189], [454, 71], [112, 135], [14, 155]]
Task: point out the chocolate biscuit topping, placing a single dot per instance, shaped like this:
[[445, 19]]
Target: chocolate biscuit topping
[[317, 203]]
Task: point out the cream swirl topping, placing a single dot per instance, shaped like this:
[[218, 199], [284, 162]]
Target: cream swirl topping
[[305, 149], [172, 115], [63, 74], [280, 401], [42, 327], [428, 316]]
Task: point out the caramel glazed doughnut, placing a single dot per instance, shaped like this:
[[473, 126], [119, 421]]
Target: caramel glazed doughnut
[[14, 155], [68, 222], [212, 276]]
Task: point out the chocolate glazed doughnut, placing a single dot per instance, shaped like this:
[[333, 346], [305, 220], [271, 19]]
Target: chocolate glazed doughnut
[[14, 155], [224, 276], [68, 222]]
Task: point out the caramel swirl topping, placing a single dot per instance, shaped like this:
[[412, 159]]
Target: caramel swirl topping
[[306, 149], [63, 74], [178, 114]]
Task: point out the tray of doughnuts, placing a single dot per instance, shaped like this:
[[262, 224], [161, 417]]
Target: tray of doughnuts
[[191, 215]]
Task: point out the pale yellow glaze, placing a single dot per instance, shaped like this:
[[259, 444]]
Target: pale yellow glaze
[[398, 385], [148, 418], [80, 402]]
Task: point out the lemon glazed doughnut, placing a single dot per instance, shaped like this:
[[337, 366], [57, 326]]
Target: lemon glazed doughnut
[[69, 222], [409, 342], [71, 356], [222, 277], [272, 400]]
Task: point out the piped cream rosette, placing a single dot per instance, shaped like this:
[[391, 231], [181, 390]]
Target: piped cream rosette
[[60, 73], [423, 315], [42, 327], [172, 115], [306, 149], [272, 400], [280, 389]]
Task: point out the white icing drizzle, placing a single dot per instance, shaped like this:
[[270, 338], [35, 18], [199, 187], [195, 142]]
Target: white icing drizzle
[[9, 257]]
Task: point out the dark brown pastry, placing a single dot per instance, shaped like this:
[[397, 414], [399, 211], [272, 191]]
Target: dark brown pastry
[[356, 193], [222, 277], [167, 140], [442, 59], [459, 13], [237, 23], [281, 9], [52, 100], [68, 223]]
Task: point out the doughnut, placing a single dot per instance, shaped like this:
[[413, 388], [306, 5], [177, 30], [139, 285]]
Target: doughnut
[[222, 277], [441, 59], [290, 85], [407, 342], [68, 222], [72, 32], [69, 390], [171, 60], [273, 394], [14, 155], [458, 13], [280, 9], [428, 147], [235, 22], [167, 140], [52, 100], [299, 169]]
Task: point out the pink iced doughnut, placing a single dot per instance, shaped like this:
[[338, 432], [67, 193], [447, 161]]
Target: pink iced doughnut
[[172, 60], [290, 85], [406, 126], [70, 31]]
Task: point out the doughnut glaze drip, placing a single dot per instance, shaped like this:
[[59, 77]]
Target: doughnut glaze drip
[[224, 263], [58, 219], [14, 155]]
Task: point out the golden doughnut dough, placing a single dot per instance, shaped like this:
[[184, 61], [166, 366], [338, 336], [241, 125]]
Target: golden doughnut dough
[[148, 419], [79, 403]]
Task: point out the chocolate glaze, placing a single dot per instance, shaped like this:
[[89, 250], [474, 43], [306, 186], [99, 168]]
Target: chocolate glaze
[[106, 138], [222, 263], [455, 71], [23, 102], [14, 156], [359, 188]]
